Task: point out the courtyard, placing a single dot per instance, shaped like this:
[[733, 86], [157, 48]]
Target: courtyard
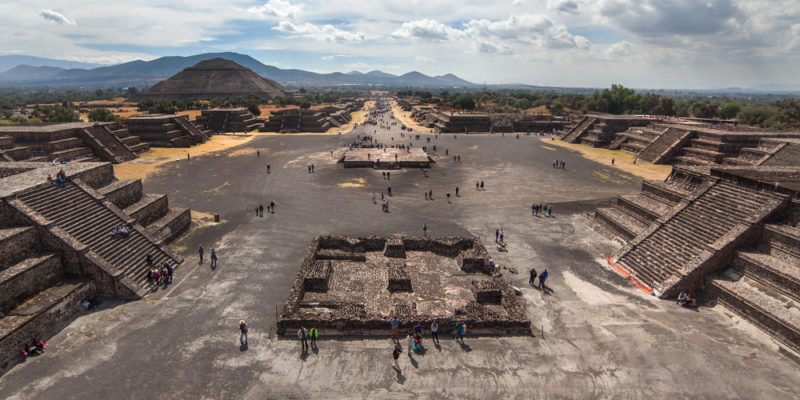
[[594, 334]]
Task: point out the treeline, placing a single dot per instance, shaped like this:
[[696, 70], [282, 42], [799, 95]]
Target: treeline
[[770, 113], [304, 100]]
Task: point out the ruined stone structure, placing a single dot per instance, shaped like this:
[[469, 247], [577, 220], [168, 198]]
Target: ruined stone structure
[[677, 143], [74, 141], [307, 120], [354, 286], [730, 232], [56, 247], [166, 130], [228, 120], [449, 122], [217, 78], [378, 158]]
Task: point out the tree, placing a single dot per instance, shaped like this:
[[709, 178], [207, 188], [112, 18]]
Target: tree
[[755, 115], [666, 106], [557, 108], [253, 108], [63, 114], [701, 109], [101, 115], [788, 112], [522, 104], [464, 102], [729, 110], [305, 104]]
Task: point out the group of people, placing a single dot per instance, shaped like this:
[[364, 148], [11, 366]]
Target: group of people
[[478, 185], [33, 348], [310, 168], [61, 178], [542, 279], [213, 256], [304, 335], [120, 231], [559, 164], [543, 209], [414, 338], [162, 274], [270, 209]]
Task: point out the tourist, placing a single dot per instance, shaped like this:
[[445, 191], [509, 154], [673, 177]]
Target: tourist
[[430, 194], [260, 210], [170, 272], [533, 209], [532, 278], [435, 332], [457, 191], [243, 332], [448, 196], [256, 211], [268, 168], [549, 210], [200, 250], [477, 185], [314, 334], [396, 355], [410, 342], [496, 235], [612, 161], [388, 176], [395, 326], [542, 278], [383, 174], [258, 154], [373, 198], [502, 234], [301, 334], [426, 195], [309, 168], [481, 185], [149, 260], [460, 332], [213, 258], [188, 158], [272, 206], [389, 192]]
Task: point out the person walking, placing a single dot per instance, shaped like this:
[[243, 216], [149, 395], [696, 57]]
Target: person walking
[[430, 194], [213, 258], [302, 334], [496, 235], [268, 168], [435, 332], [542, 278], [481, 185], [170, 271], [425, 230], [200, 250], [532, 278], [258, 153], [549, 210], [456, 191], [410, 342], [272, 206], [395, 326], [502, 234], [243, 333], [260, 210], [460, 332], [314, 334]]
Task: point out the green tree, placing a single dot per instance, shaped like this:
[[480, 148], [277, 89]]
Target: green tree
[[788, 112], [729, 110], [464, 102], [101, 115], [755, 115], [557, 108], [63, 114], [253, 108], [522, 104]]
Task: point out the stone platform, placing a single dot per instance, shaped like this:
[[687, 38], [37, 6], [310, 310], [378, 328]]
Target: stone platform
[[390, 158], [354, 286]]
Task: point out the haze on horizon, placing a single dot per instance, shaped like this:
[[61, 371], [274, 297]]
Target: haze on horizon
[[646, 44]]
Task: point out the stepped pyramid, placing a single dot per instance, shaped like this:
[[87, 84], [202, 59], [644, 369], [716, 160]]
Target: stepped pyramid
[[214, 79]]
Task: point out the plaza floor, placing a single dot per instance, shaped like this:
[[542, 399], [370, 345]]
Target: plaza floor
[[596, 336]]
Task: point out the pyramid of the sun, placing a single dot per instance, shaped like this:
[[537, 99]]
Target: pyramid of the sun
[[213, 79]]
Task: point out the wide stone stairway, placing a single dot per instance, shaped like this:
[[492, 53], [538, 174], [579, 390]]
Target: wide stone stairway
[[673, 249], [90, 222]]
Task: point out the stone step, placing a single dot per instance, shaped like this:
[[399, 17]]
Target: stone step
[[781, 275], [168, 227], [623, 220], [774, 314], [63, 144], [140, 147], [16, 244], [69, 154], [6, 142], [28, 277], [123, 192], [782, 241], [148, 209]]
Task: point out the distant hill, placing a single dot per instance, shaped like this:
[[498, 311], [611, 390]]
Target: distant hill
[[147, 73], [8, 62], [29, 73]]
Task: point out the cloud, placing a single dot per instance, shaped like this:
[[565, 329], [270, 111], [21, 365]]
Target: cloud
[[335, 56], [535, 28], [276, 8], [56, 17], [490, 48], [328, 33], [659, 18], [620, 49], [426, 29], [564, 6], [424, 60]]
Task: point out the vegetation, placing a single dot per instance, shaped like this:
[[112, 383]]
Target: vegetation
[[763, 111], [101, 115]]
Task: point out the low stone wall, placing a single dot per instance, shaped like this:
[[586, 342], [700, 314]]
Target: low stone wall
[[40, 326], [17, 246], [124, 195], [15, 289]]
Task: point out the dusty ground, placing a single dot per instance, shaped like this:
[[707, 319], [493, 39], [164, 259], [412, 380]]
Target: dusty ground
[[405, 118], [623, 161], [596, 335]]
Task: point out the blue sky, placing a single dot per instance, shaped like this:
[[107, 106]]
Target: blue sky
[[644, 43]]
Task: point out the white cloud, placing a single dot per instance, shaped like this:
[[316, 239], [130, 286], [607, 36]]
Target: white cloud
[[564, 6], [620, 49], [335, 56], [276, 8], [534, 28], [328, 33], [426, 29], [56, 17], [424, 60], [488, 47]]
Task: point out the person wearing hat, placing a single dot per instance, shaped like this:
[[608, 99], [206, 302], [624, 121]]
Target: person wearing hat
[[243, 334]]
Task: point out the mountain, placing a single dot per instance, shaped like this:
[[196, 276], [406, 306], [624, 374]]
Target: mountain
[[28, 73], [147, 73], [12, 60]]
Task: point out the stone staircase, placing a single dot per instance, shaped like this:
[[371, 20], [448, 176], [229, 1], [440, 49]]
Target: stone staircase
[[788, 155], [111, 143], [90, 222], [671, 251], [661, 149], [579, 130], [130, 141]]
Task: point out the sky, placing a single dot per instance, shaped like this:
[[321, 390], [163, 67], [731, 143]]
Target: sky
[[577, 43]]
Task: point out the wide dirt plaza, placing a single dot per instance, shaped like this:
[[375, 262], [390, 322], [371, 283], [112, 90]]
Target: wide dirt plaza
[[594, 334]]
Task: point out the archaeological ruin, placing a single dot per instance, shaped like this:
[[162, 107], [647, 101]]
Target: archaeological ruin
[[166, 130], [356, 285], [219, 120], [459, 122], [217, 78], [56, 246], [73, 141], [389, 158], [728, 233], [311, 120]]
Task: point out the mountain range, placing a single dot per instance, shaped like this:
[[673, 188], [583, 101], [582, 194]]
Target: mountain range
[[45, 72]]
